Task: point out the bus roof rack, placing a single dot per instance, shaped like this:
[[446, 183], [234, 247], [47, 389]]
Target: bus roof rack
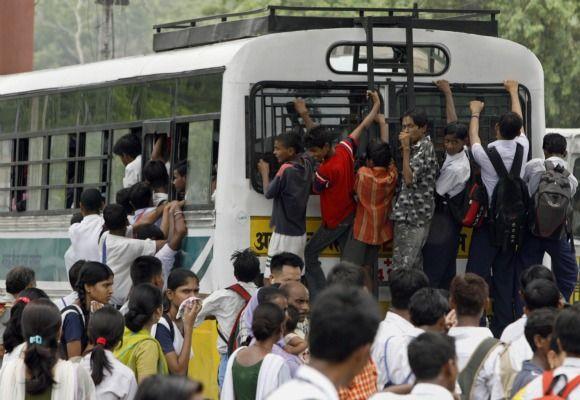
[[276, 19]]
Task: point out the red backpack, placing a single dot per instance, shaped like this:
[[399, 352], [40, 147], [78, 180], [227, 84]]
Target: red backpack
[[548, 383]]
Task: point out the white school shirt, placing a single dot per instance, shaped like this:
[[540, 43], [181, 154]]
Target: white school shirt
[[225, 305], [159, 198], [487, 384], [119, 252], [84, 238], [132, 172], [178, 338], [520, 349], [453, 175], [421, 391], [308, 384], [536, 167], [66, 300], [138, 214], [392, 325], [119, 384], [397, 366], [570, 368], [507, 151], [167, 257]]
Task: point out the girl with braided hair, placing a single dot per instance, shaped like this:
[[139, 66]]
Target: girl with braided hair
[[95, 288]]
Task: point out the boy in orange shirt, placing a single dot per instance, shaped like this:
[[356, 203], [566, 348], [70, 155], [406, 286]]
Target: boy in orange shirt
[[375, 186]]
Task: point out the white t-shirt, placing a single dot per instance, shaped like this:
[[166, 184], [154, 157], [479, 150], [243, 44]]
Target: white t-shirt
[[309, 384], [397, 366], [520, 349], [392, 325], [167, 257], [487, 384], [119, 384], [507, 151], [132, 172], [119, 252], [421, 391], [453, 175], [84, 238]]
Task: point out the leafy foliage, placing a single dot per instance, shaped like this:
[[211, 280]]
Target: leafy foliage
[[66, 32]]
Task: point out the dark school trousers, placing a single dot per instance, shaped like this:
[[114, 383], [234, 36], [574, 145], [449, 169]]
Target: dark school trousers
[[321, 239], [440, 250], [501, 271], [563, 255]]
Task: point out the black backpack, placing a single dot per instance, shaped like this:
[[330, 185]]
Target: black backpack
[[510, 201]]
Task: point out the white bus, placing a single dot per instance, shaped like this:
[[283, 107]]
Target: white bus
[[222, 91]]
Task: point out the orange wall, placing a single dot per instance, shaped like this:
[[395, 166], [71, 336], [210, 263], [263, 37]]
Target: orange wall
[[16, 36]]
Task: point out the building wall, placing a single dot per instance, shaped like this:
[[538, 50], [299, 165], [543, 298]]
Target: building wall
[[16, 36]]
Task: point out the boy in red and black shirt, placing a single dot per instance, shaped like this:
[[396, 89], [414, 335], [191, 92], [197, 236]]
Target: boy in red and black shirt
[[334, 181]]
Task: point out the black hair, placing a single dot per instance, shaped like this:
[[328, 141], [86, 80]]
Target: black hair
[[181, 168], [12, 336], [179, 276], [404, 282], [268, 293], [469, 292], [457, 129], [40, 322], [554, 143], [427, 306], [76, 218], [18, 279], [144, 269], [318, 137], [91, 273], [129, 144], [291, 140], [379, 154], [155, 173], [541, 293], [141, 195], [293, 318], [537, 271], [343, 319], [92, 200], [540, 322], [115, 217], [510, 125], [144, 300], [267, 321], [73, 273], [123, 198], [285, 258], [428, 353], [105, 331], [567, 329], [246, 265], [148, 231], [419, 117], [346, 273], [156, 387]]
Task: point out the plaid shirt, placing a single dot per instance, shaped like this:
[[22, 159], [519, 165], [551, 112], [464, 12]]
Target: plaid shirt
[[375, 188], [363, 386]]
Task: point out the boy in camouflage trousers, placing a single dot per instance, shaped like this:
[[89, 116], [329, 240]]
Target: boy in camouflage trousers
[[415, 205]]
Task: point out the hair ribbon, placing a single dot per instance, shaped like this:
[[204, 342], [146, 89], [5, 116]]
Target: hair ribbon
[[35, 339]]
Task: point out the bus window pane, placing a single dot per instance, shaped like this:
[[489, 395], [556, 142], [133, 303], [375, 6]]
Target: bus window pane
[[8, 110], [199, 155], [6, 147], [94, 144], [126, 103], [118, 169], [57, 176], [95, 106], [92, 171], [69, 105], [159, 97], [199, 94], [59, 146], [34, 178]]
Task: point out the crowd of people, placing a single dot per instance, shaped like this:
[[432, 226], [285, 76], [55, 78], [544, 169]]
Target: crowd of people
[[294, 332]]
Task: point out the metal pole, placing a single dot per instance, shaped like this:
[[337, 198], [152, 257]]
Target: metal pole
[[368, 25], [410, 69]]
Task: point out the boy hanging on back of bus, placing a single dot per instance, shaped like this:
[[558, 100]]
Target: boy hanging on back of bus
[[128, 149], [334, 181], [492, 253], [442, 243], [415, 205], [290, 190], [556, 217]]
